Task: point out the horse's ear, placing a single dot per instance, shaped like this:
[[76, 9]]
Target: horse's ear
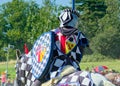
[[18, 53]]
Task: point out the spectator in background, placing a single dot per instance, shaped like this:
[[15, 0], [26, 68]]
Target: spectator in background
[[3, 79], [8, 83]]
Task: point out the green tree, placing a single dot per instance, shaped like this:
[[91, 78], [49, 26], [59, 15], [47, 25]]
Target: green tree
[[107, 42], [91, 11], [13, 20], [14, 16], [112, 17], [31, 27], [45, 19], [22, 22]]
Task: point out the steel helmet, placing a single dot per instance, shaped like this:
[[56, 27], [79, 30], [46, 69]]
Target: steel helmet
[[69, 18]]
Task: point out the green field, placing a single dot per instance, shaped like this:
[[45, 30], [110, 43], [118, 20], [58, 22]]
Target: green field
[[111, 64], [115, 64], [11, 69]]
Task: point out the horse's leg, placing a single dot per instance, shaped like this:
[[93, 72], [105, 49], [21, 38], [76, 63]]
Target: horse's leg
[[37, 83], [15, 83], [18, 83]]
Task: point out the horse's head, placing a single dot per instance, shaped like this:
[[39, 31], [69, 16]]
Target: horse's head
[[18, 53], [18, 63], [18, 67]]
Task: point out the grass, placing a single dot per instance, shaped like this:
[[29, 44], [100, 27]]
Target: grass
[[11, 69], [114, 64], [110, 64]]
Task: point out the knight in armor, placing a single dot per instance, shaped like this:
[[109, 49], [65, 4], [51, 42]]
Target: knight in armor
[[53, 51], [69, 44], [69, 41]]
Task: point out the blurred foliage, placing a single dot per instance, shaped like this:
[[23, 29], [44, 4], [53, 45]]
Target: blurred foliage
[[96, 57], [107, 43]]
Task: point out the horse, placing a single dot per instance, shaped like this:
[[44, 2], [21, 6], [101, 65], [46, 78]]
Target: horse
[[23, 68], [70, 73], [68, 77]]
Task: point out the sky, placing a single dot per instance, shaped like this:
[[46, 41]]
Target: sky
[[59, 2]]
